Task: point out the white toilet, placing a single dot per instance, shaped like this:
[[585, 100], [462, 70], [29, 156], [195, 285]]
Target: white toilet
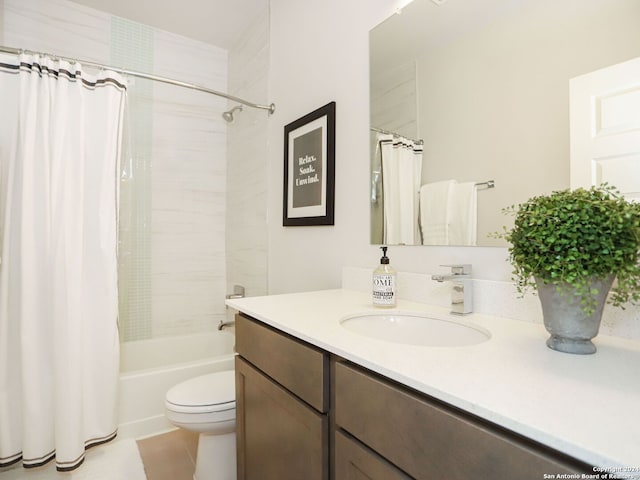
[[207, 405]]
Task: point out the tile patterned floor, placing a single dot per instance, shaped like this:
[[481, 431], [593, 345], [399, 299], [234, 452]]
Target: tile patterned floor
[[170, 456]]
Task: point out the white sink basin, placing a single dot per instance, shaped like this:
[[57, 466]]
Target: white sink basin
[[415, 329]]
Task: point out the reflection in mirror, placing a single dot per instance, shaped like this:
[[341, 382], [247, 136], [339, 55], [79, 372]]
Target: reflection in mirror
[[467, 92]]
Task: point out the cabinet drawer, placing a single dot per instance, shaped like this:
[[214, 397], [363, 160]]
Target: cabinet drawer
[[426, 439], [353, 461], [300, 368]]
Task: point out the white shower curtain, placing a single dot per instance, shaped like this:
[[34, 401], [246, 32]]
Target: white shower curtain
[[59, 353], [401, 177]]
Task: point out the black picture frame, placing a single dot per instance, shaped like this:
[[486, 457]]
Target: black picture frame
[[309, 169]]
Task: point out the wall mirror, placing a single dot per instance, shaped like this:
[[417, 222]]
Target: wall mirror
[[485, 87]]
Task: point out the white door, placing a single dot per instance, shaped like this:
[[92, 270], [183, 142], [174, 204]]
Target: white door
[[605, 128]]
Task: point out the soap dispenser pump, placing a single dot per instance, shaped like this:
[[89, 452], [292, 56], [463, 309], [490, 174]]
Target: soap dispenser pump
[[384, 283]]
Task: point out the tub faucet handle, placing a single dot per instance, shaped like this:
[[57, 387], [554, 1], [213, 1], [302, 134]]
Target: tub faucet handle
[[238, 292]]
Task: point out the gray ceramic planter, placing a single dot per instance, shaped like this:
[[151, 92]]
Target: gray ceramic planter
[[571, 330]]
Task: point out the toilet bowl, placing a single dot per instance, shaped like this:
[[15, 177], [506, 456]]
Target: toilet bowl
[[207, 405]]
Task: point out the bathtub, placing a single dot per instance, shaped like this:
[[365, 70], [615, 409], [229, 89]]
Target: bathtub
[[148, 368]]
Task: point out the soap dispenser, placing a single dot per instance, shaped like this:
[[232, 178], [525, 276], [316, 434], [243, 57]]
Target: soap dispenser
[[384, 283]]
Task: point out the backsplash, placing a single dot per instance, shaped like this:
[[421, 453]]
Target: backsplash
[[500, 299]]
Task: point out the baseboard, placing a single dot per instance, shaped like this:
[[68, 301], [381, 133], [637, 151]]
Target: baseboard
[[146, 427]]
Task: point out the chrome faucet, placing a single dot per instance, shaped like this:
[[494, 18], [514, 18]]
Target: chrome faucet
[[462, 290]]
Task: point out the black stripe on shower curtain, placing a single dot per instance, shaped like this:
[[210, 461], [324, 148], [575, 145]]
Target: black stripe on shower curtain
[[31, 67]]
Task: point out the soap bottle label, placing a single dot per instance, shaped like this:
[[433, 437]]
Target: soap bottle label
[[384, 290]]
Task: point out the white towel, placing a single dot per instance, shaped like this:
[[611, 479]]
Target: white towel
[[434, 212], [463, 214]]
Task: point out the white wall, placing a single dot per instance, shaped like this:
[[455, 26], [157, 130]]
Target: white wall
[[319, 53]]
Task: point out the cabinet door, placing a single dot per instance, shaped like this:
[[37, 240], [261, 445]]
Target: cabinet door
[[279, 437], [353, 461]]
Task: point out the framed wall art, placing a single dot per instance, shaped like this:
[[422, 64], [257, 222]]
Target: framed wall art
[[309, 168]]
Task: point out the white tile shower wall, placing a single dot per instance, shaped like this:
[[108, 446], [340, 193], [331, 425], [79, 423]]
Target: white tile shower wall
[[1, 18], [187, 184], [489, 298], [57, 26], [134, 234], [188, 188], [247, 162]]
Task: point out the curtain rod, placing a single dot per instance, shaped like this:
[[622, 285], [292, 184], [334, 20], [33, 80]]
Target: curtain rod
[[387, 132], [270, 108]]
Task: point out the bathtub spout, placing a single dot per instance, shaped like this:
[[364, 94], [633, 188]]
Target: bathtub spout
[[222, 324]]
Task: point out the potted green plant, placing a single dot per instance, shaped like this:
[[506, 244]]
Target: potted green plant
[[570, 246]]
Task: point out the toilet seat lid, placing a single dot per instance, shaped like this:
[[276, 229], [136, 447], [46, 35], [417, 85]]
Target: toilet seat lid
[[207, 390]]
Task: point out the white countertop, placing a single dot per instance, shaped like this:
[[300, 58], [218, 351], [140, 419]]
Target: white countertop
[[583, 405]]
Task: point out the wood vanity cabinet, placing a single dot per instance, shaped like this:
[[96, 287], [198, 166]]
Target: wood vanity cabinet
[[413, 436], [303, 414], [282, 404]]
